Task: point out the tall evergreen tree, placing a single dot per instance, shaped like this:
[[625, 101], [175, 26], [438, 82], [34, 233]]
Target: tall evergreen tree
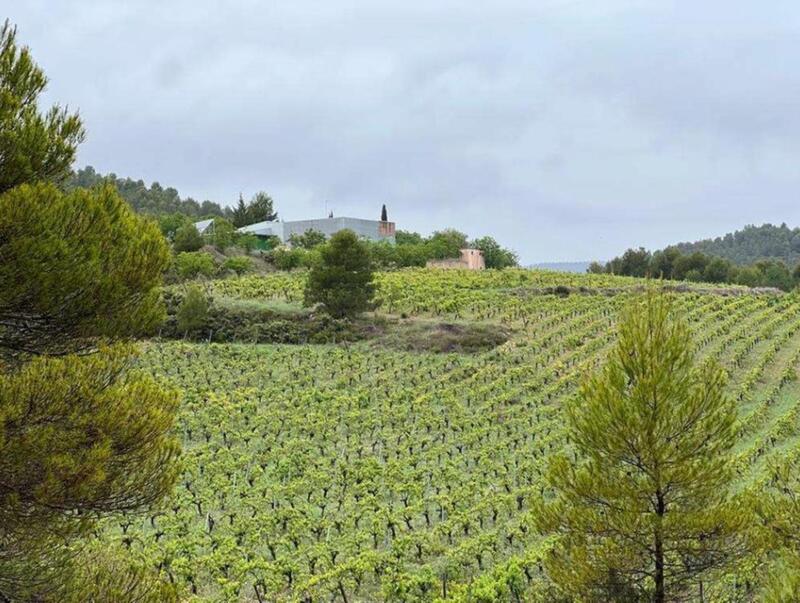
[[261, 209], [239, 214], [81, 435], [384, 214], [643, 508]]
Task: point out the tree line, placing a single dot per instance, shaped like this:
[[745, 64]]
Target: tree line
[[410, 250], [176, 217], [671, 263]]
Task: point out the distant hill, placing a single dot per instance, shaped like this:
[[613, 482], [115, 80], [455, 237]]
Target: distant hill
[[751, 244], [154, 199], [580, 267]]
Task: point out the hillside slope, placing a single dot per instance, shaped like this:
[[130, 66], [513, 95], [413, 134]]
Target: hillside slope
[[345, 473], [751, 244]]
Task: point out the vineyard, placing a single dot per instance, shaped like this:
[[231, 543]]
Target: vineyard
[[345, 473]]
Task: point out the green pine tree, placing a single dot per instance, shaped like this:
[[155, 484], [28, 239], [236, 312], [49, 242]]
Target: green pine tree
[[34, 146], [239, 215], [342, 280], [82, 436], [643, 507], [187, 238]]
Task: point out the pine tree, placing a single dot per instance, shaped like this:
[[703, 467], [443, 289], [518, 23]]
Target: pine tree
[[34, 146], [778, 507], [644, 511], [81, 435], [239, 215], [342, 280], [187, 238], [261, 209], [384, 214]]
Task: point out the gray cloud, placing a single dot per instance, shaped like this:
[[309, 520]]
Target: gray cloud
[[568, 129]]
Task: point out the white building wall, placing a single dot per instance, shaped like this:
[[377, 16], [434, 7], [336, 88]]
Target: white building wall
[[372, 230]]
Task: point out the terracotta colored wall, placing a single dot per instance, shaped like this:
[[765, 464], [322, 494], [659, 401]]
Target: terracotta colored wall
[[386, 229], [471, 259]]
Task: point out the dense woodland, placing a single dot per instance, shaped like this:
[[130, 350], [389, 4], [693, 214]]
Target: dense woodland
[[153, 200], [751, 244]]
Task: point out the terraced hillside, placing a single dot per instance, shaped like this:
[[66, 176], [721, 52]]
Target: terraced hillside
[[332, 473]]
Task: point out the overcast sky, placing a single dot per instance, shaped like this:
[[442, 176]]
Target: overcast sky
[[566, 129]]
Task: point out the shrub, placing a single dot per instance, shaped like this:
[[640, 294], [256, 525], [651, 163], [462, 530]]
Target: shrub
[[240, 264], [193, 312], [286, 259], [187, 239], [247, 241], [223, 234], [308, 240], [194, 264]]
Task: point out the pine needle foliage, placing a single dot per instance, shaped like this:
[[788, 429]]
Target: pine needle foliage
[[193, 312], [342, 279], [75, 266], [80, 437], [34, 146], [643, 505]]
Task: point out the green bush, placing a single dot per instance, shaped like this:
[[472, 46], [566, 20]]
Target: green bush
[[192, 314], [247, 241], [194, 264], [223, 234], [187, 239], [226, 324], [286, 259], [308, 240], [239, 264]]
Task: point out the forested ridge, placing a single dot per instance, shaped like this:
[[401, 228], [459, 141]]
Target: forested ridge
[[756, 256], [154, 199], [751, 244]]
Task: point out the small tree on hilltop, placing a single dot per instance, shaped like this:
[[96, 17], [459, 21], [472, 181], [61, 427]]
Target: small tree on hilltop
[[644, 511], [261, 209], [342, 279], [239, 213], [494, 255]]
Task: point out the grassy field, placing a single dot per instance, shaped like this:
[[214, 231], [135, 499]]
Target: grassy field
[[382, 473]]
